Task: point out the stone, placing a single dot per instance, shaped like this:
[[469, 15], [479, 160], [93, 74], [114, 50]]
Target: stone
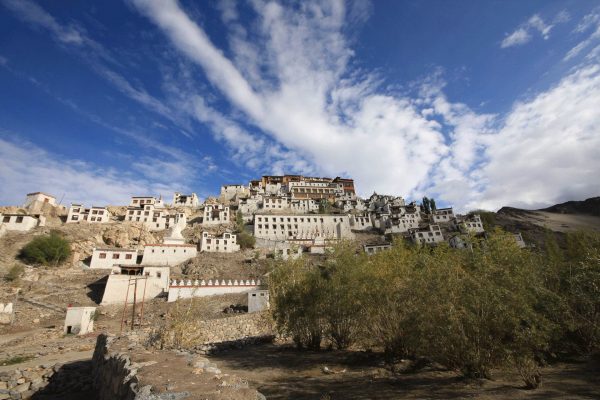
[[3, 386], [4, 396]]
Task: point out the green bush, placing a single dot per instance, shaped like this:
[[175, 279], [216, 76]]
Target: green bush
[[51, 249], [472, 311], [14, 273], [245, 240]]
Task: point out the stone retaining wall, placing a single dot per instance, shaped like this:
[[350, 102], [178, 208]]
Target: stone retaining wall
[[114, 375], [230, 331], [23, 383]]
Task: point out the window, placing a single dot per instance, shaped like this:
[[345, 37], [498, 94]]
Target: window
[[128, 256], [73, 218], [19, 220], [116, 256], [102, 255], [158, 274]]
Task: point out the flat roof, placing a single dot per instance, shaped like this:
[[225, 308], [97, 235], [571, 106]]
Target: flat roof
[[170, 245], [113, 249], [45, 194]]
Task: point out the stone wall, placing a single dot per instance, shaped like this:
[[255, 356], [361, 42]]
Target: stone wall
[[114, 375], [211, 335], [23, 383]]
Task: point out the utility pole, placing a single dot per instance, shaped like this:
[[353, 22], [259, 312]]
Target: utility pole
[[134, 299]]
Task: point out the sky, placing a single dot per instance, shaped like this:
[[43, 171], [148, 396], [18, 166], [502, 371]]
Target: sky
[[479, 104]]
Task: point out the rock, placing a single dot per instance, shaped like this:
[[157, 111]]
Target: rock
[[22, 387]]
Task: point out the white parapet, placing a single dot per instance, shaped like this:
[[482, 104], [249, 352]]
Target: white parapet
[[186, 289]]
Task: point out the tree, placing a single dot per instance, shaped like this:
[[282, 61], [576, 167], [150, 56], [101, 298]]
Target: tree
[[426, 205], [51, 249], [324, 207], [432, 205]]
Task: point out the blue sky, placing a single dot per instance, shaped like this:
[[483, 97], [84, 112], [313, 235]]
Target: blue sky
[[476, 103]]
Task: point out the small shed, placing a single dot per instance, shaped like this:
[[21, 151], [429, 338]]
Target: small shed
[[79, 320], [258, 300]]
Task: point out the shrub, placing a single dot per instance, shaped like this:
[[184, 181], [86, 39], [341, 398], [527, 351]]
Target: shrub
[[246, 240], [49, 249], [14, 273], [472, 311]]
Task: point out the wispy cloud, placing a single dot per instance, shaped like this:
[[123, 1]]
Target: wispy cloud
[[535, 24], [34, 14], [590, 22], [314, 104], [26, 168]]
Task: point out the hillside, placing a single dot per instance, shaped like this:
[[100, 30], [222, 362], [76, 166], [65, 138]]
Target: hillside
[[560, 218], [589, 206]]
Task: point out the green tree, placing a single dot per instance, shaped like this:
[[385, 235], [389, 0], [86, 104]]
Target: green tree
[[426, 205], [51, 249], [432, 205]]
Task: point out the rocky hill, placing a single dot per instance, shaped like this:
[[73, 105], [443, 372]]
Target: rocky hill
[[560, 219], [589, 206]]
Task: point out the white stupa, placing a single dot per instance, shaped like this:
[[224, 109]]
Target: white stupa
[[174, 236]]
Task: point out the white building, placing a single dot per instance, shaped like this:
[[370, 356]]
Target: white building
[[315, 190], [376, 247], [250, 206], [141, 201], [35, 201], [258, 300], [215, 214], [185, 200], [361, 223], [232, 192], [471, 224], [292, 226], [78, 213], [186, 289], [121, 284], [304, 206], [79, 320], [276, 203], [107, 258], [168, 254], [287, 250], [153, 219], [430, 235], [227, 243], [21, 222], [442, 215]]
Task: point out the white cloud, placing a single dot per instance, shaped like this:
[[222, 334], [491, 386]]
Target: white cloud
[[547, 150], [34, 14], [518, 37], [26, 168], [523, 33], [228, 10], [323, 114], [591, 22]]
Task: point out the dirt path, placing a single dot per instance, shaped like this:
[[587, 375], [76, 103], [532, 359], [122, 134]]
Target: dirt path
[[284, 373], [62, 358]]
